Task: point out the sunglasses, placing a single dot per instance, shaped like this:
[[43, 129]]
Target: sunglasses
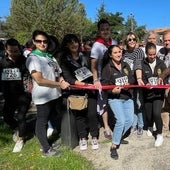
[[41, 41], [132, 39]]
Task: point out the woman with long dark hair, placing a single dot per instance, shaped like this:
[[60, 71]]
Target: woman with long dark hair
[[76, 71], [116, 72]]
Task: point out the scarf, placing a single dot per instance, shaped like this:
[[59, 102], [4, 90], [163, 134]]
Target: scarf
[[102, 41], [42, 53]]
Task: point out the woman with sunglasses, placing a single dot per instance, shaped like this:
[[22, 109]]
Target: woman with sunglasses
[[134, 56], [47, 85]]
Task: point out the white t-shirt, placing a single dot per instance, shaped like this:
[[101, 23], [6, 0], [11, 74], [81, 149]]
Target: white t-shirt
[[50, 70], [97, 52]]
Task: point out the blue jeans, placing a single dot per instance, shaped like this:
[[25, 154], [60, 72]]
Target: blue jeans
[[123, 111], [138, 108], [138, 120]]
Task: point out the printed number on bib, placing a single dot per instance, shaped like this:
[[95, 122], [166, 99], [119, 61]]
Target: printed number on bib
[[153, 80], [82, 73], [11, 74], [121, 81]]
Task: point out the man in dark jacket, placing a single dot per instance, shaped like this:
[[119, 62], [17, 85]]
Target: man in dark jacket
[[17, 101]]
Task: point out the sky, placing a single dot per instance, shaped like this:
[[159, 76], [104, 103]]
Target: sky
[[152, 14]]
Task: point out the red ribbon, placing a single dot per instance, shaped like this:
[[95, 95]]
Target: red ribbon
[[106, 87]]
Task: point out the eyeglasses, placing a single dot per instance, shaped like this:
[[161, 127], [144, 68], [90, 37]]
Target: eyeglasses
[[132, 39], [41, 41]]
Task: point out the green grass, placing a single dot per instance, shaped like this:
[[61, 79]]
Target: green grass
[[30, 157]]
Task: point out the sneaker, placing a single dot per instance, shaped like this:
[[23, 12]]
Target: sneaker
[[149, 131], [123, 141], [41, 149], [83, 144], [108, 134], [15, 136], [140, 131], [49, 132], [113, 153], [134, 130], [51, 152], [18, 146], [94, 144], [54, 146], [159, 140]]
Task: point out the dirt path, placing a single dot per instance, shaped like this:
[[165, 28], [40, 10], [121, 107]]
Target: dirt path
[[139, 154]]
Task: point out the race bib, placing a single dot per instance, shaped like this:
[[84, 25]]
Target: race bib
[[82, 73], [162, 56], [11, 74], [129, 62], [153, 80], [121, 81], [167, 61]]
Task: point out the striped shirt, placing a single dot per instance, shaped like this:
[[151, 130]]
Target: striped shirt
[[134, 58]]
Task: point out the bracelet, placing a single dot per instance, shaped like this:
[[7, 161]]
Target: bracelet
[[96, 80], [139, 78]]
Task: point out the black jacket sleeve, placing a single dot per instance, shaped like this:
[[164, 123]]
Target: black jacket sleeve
[[66, 73]]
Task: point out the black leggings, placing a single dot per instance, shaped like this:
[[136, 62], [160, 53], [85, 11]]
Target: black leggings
[[21, 104], [153, 113], [45, 112], [87, 119]]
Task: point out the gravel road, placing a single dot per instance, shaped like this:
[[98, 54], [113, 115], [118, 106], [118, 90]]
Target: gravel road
[[139, 154]]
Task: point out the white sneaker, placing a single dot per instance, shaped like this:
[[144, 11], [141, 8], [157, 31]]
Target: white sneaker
[[83, 144], [149, 131], [49, 132], [94, 144], [15, 135], [159, 140], [18, 146]]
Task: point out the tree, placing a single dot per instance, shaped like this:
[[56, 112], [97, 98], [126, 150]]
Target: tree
[[59, 17], [118, 27], [56, 17], [2, 28], [131, 25]]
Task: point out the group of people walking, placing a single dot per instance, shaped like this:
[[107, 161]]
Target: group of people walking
[[133, 109]]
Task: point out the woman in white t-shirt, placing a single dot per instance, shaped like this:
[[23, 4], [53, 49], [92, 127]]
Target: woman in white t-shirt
[[47, 85]]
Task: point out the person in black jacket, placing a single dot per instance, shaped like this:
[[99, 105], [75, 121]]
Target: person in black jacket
[[118, 73], [76, 71], [153, 98], [17, 101]]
